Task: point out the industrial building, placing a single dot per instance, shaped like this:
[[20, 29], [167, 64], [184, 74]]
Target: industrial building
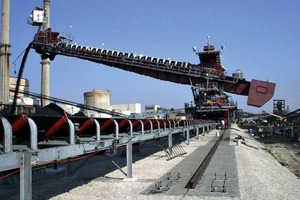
[[53, 136]]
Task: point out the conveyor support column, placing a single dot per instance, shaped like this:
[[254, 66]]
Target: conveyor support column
[[25, 176]]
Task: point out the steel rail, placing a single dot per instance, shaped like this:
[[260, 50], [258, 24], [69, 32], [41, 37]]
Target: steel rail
[[192, 183]]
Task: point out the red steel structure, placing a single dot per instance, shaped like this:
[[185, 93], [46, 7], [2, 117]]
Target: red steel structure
[[208, 79]]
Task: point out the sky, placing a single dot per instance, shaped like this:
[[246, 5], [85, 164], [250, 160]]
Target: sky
[[262, 38]]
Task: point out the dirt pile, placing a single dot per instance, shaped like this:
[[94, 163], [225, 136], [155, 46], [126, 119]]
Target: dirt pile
[[284, 150]]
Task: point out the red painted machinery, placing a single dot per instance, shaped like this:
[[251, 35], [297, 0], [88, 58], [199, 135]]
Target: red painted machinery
[[208, 79]]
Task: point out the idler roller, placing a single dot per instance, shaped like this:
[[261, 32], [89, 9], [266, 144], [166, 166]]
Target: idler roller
[[106, 124], [135, 124], [57, 125], [147, 124], [19, 123], [85, 125], [123, 123], [155, 123]]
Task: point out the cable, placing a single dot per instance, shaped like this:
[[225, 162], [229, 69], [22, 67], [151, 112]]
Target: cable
[[13, 109], [14, 62]]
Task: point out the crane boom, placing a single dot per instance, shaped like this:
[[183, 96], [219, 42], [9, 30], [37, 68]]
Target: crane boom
[[49, 44], [280, 118]]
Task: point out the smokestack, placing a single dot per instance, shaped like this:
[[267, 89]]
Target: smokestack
[[4, 53], [45, 76]]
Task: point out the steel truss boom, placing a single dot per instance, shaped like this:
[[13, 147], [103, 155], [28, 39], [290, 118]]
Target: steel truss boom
[[49, 44]]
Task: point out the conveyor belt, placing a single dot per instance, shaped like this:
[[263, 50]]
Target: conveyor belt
[[49, 44], [162, 69]]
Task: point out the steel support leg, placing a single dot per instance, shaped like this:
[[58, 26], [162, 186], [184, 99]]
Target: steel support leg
[[25, 176], [170, 143], [188, 136], [197, 133], [129, 161], [170, 140]]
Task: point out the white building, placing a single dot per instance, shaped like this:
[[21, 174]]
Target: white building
[[127, 109]]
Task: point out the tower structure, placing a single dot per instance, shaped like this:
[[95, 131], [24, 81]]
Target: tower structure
[[45, 72], [4, 53]]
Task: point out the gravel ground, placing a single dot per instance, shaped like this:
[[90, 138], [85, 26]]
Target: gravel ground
[[261, 176], [286, 151]]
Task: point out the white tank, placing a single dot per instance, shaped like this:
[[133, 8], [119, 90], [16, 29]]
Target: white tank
[[97, 98]]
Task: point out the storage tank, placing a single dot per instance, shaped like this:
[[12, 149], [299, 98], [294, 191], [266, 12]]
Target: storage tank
[[98, 99]]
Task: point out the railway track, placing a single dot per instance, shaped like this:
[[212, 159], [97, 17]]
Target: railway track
[[202, 167], [210, 170]]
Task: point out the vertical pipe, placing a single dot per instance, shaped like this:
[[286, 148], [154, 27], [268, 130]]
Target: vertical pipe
[[45, 74], [4, 53]]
